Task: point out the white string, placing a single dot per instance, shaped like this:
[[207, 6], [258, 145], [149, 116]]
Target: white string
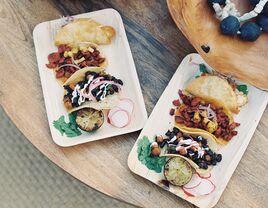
[[230, 10]]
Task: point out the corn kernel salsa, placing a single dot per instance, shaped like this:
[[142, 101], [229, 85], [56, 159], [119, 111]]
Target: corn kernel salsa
[[68, 60]]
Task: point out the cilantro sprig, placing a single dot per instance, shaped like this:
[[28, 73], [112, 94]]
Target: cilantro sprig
[[203, 68], [70, 129], [242, 88], [144, 155]]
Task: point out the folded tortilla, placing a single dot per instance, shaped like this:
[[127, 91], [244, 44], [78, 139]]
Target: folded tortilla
[[84, 30], [211, 143], [219, 140], [110, 101], [213, 88]]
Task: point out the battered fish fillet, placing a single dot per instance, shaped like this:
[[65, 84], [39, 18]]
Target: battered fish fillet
[[84, 30], [214, 88]]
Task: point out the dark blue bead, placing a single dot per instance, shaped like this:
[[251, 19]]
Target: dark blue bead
[[254, 2], [262, 21], [265, 8], [229, 25], [250, 31], [221, 2]]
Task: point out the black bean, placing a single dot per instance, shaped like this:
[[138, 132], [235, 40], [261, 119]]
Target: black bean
[[176, 130], [119, 81], [75, 102], [190, 151], [204, 141], [210, 152], [163, 144], [94, 92], [213, 162], [111, 91], [203, 165], [199, 139], [171, 135], [115, 88], [218, 157], [67, 87], [81, 84], [168, 133]]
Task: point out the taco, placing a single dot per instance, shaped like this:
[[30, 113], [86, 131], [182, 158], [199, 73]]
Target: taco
[[84, 30], [206, 117], [67, 60], [199, 150], [211, 87], [91, 87]]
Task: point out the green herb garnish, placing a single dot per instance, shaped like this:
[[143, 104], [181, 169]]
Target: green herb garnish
[[144, 155], [203, 68], [69, 129], [242, 88]]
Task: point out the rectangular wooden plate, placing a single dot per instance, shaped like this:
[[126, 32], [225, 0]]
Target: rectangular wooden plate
[[160, 121], [120, 64]]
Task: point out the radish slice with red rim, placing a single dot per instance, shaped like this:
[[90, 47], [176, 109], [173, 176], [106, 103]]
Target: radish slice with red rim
[[194, 182], [186, 192], [205, 176], [204, 188], [120, 118], [112, 111], [126, 104]]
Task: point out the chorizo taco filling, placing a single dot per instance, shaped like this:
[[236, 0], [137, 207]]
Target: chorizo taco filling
[[67, 60], [94, 87], [194, 113], [191, 146]]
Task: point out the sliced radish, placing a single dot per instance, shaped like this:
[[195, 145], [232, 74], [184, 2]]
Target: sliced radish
[[186, 192], [204, 188], [126, 104], [112, 111], [120, 118], [206, 176], [194, 182]]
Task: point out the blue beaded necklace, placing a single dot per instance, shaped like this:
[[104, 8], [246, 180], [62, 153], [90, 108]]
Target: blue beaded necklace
[[232, 23]]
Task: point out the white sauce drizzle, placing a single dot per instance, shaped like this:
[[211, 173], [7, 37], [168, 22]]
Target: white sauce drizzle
[[77, 92], [190, 143]]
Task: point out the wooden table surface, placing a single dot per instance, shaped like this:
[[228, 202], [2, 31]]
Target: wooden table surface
[[157, 47]]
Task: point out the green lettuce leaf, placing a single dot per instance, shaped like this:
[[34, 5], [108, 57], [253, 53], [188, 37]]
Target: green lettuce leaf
[[69, 129], [144, 155]]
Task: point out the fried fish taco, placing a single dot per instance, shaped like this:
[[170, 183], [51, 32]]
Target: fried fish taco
[[219, 90], [91, 87], [199, 150], [69, 59], [84, 30], [208, 117]]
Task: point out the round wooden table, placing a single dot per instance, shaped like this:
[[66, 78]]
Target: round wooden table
[[158, 47]]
